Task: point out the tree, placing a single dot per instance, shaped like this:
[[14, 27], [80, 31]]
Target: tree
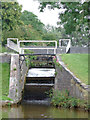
[[24, 32], [11, 12], [30, 18], [75, 16], [74, 20]]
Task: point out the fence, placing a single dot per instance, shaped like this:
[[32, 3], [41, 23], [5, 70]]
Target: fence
[[36, 41]]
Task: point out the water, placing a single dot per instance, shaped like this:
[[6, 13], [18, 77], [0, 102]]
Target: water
[[29, 110], [41, 72], [39, 81]]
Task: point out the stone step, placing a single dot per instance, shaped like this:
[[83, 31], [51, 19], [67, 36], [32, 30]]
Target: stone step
[[39, 84], [42, 66], [40, 79]]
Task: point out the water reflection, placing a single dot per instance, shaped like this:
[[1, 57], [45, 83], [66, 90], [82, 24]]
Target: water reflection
[[41, 111]]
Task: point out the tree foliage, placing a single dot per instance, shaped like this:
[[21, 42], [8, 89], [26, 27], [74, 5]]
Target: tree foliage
[[16, 24], [24, 25], [24, 32], [74, 20], [74, 17], [31, 19], [11, 12]]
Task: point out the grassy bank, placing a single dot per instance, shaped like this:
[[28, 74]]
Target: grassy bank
[[78, 64], [3, 49], [4, 81]]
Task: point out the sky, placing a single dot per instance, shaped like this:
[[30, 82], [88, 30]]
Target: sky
[[47, 17]]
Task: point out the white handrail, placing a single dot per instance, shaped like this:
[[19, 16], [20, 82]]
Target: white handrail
[[12, 45], [36, 41], [23, 48], [20, 49]]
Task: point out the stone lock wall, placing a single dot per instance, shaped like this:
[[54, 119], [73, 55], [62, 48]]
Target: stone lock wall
[[65, 80], [17, 78]]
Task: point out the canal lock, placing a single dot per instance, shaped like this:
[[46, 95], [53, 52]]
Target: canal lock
[[40, 79]]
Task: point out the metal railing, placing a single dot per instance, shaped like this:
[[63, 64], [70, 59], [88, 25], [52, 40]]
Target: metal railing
[[39, 48], [13, 45], [17, 47]]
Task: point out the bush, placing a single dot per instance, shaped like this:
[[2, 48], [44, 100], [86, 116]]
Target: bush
[[62, 99]]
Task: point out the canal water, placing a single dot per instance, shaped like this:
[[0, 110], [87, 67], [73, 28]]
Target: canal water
[[28, 110], [31, 107]]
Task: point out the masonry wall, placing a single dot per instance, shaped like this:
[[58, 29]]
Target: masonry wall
[[17, 78], [65, 80], [81, 50]]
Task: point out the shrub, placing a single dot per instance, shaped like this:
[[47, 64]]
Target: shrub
[[62, 99]]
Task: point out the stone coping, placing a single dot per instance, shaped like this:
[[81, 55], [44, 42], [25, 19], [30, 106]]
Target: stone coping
[[77, 80]]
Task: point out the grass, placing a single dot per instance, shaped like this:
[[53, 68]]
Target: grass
[[78, 64], [3, 49], [4, 81]]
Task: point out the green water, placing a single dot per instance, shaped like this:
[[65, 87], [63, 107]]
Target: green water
[[41, 111]]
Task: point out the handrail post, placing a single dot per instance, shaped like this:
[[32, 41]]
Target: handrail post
[[8, 42], [54, 51], [55, 47], [60, 43], [19, 47], [47, 51]]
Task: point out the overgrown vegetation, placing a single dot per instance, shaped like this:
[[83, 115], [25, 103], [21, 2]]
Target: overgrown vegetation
[[3, 49], [56, 62], [78, 64], [62, 99], [35, 61], [4, 81]]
